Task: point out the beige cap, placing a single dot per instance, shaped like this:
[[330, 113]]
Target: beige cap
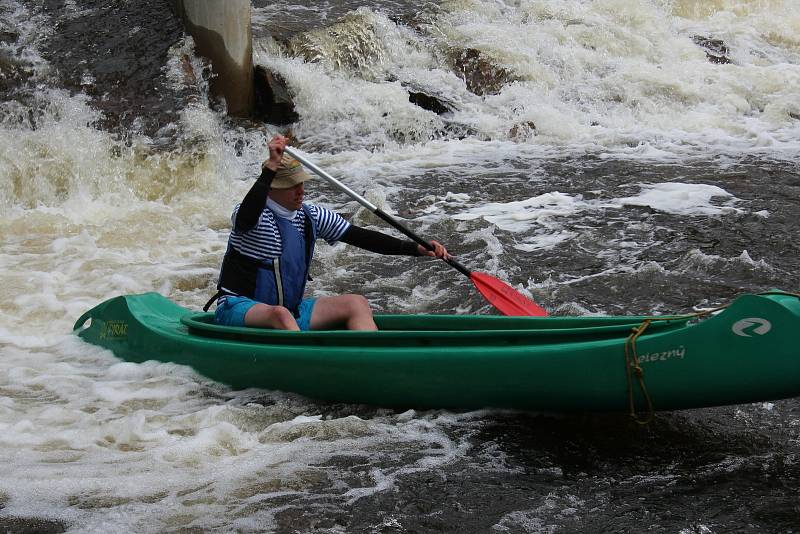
[[289, 173]]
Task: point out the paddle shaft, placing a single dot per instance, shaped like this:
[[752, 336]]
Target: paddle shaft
[[499, 294], [374, 209]]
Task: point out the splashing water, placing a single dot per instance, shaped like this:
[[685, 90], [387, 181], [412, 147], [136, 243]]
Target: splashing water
[[590, 154]]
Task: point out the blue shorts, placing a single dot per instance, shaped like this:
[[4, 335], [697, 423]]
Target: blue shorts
[[232, 310]]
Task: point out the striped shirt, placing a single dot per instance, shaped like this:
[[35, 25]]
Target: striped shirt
[[263, 242]]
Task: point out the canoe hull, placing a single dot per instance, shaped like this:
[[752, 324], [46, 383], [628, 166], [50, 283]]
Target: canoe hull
[[548, 364]]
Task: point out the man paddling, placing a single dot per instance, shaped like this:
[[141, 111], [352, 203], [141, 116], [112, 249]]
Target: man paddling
[[265, 268]]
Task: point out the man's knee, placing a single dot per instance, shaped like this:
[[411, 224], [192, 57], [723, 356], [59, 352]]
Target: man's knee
[[358, 304], [284, 318], [266, 316]]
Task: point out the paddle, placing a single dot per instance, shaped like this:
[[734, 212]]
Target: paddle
[[499, 294]]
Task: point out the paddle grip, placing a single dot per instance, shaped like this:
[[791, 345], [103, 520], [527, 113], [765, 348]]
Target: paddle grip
[[394, 223]]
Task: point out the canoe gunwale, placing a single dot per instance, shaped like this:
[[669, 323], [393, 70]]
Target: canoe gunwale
[[200, 324]]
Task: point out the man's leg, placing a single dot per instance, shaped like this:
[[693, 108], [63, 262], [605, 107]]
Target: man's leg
[[348, 311], [266, 316]]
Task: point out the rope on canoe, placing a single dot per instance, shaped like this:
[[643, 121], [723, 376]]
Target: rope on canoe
[[634, 370]]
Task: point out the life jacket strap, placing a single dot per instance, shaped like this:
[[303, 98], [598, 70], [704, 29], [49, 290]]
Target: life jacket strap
[[217, 295], [276, 264]]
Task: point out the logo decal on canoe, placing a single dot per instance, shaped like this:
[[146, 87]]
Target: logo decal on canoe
[[676, 353], [751, 325], [114, 330]]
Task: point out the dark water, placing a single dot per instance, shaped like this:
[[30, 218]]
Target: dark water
[[115, 52], [762, 185], [726, 469], [605, 474]]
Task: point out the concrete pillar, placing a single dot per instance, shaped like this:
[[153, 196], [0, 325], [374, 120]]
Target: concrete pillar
[[222, 33]]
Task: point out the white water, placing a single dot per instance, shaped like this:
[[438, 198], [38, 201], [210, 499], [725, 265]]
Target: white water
[[106, 446], [544, 212], [617, 77]]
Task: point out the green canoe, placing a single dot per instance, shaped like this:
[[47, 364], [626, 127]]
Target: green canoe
[[748, 352]]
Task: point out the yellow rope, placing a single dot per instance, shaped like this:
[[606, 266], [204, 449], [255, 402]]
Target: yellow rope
[[632, 366]]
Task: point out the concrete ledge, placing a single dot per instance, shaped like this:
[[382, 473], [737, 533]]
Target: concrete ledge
[[222, 33]]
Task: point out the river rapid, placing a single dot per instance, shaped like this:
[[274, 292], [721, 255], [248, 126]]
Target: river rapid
[[603, 157]]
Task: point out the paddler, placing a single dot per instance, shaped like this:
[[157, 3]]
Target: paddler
[[266, 265]]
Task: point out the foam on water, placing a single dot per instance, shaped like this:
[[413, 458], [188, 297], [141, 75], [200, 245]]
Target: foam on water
[[542, 213], [161, 427], [682, 199], [609, 77], [87, 216], [551, 512], [697, 261]]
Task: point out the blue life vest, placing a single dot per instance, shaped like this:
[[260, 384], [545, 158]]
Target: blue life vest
[[282, 281]]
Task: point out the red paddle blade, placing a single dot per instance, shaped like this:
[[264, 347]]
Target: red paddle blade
[[504, 297]]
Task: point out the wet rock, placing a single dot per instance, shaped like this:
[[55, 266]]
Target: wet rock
[[24, 525], [715, 49], [351, 44], [795, 116], [7, 63], [274, 102], [188, 70], [523, 130], [122, 48], [478, 71], [13, 71], [457, 130], [7, 36], [430, 102]]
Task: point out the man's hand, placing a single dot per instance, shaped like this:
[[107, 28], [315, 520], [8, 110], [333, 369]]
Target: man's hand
[[438, 251], [276, 146]]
